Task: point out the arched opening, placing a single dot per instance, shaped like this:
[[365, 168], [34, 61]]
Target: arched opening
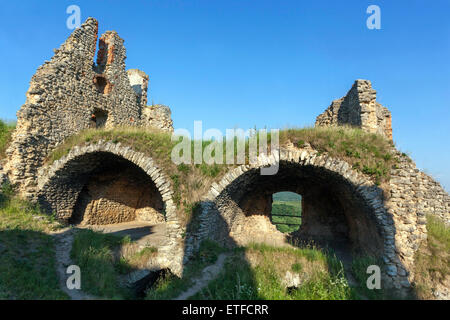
[[333, 213], [117, 191], [100, 83], [110, 188]]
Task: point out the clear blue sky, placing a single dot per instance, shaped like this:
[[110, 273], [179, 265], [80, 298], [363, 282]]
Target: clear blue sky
[[260, 63]]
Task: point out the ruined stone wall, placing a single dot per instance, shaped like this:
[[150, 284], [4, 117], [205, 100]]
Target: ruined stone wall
[[118, 195], [71, 93], [358, 108], [139, 82]]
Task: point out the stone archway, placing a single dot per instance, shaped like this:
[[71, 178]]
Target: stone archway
[[108, 183]]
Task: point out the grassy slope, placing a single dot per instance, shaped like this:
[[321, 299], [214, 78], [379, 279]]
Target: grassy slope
[[432, 260], [249, 273], [97, 255], [27, 264]]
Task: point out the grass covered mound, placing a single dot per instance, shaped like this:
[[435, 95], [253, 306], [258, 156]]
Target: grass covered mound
[[189, 182], [368, 153], [432, 260], [27, 251]]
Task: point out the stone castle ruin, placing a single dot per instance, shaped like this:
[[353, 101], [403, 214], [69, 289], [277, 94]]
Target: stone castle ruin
[[110, 183], [71, 93]]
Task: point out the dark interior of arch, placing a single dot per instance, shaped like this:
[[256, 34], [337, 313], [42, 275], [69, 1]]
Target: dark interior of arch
[[333, 213], [111, 190]]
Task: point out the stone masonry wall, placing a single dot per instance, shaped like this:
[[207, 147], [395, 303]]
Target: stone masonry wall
[[412, 196], [358, 108]]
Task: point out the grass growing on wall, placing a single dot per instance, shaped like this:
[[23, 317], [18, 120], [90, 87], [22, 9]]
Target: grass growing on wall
[[250, 273], [27, 251], [366, 152], [96, 254]]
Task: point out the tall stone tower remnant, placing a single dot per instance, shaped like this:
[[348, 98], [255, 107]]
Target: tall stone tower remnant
[[358, 108]]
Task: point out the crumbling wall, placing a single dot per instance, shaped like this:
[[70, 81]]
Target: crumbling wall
[[358, 108], [118, 195], [157, 116], [71, 93]]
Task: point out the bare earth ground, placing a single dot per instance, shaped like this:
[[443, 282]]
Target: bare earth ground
[[143, 233]]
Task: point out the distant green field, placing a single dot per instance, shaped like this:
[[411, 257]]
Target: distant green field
[[287, 211], [286, 196]]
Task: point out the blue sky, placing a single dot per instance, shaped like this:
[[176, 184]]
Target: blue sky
[[260, 63]]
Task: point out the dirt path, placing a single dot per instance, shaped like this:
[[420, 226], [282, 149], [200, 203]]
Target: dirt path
[[63, 246], [208, 274]]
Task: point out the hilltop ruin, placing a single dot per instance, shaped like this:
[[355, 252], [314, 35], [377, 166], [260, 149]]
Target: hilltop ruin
[[105, 182]]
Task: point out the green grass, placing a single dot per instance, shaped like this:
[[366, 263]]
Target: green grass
[[286, 215], [93, 252], [6, 129], [171, 286], [286, 196], [250, 273], [27, 251], [286, 220], [432, 260]]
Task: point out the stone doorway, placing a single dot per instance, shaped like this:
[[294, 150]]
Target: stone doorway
[[118, 192]]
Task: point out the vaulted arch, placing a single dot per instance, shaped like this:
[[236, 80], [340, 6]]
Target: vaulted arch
[[106, 183]]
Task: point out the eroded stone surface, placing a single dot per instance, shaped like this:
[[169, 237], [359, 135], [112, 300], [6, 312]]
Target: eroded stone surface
[[358, 108]]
